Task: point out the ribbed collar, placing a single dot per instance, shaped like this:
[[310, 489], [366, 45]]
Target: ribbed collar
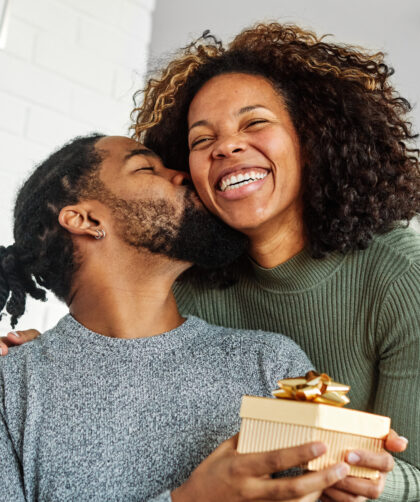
[[300, 273], [79, 336]]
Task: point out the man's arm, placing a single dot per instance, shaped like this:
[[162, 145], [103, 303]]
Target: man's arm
[[11, 482]]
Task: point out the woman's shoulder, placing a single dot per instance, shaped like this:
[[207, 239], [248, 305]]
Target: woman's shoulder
[[401, 243], [389, 256]]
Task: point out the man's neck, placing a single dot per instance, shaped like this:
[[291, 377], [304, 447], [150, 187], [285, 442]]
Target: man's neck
[[127, 298]]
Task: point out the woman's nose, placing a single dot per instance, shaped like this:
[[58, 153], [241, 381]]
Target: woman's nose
[[227, 147]]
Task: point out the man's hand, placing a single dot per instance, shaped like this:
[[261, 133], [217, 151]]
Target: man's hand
[[228, 475], [16, 338], [354, 489]]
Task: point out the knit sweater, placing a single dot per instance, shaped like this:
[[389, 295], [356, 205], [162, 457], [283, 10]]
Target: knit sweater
[[86, 417], [357, 316]]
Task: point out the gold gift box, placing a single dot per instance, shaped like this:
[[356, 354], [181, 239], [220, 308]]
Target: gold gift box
[[270, 424]]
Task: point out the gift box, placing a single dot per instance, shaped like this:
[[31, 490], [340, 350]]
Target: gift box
[[270, 424]]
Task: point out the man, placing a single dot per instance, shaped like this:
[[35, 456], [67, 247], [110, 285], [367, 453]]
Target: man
[[124, 398]]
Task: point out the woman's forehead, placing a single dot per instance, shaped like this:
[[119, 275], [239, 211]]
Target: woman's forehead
[[233, 92]]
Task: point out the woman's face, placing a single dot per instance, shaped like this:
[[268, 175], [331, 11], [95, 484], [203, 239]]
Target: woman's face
[[244, 153]]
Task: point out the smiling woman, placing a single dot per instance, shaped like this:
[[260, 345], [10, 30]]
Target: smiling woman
[[304, 146], [232, 138]]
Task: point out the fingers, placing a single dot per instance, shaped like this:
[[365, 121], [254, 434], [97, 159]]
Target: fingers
[[395, 443], [369, 488], [228, 446], [258, 464], [335, 495], [3, 346], [295, 488], [16, 338], [383, 462], [22, 336], [312, 497]]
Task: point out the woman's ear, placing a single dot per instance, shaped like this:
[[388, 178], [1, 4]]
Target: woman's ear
[[78, 220]]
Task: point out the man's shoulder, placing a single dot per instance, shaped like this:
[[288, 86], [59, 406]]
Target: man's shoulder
[[253, 340], [31, 353]]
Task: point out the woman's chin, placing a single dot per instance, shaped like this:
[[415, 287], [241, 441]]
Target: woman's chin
[[249, 227]]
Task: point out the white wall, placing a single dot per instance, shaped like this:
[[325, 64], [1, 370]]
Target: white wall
[[68, 67]]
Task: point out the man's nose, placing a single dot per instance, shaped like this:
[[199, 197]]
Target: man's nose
[[180, 178], [229, 146]]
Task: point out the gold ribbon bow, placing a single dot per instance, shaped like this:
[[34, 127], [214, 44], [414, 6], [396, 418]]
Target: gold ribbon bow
[[315, 387]]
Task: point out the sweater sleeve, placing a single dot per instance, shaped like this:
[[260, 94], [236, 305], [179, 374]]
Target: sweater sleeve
[[10, 473], [163, 497], [399, 381], [283, 358]]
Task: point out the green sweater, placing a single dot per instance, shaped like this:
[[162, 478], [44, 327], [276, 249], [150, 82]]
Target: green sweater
[[355, 315]]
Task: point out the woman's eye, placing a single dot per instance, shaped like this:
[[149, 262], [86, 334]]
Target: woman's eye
[[256, 122]]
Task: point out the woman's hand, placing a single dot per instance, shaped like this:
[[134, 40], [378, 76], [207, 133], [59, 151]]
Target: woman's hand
[[228, 475], [16, 338], [354, 489]]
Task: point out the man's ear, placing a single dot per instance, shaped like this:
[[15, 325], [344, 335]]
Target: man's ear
[[78, 220]]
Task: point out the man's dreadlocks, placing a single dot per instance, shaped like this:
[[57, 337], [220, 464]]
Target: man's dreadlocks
[[42, 254]]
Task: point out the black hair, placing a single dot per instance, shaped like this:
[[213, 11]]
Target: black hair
[[42, 256], [361, 172]]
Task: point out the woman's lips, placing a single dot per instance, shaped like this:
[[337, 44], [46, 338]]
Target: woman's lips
[[239, 173], [243, 190]]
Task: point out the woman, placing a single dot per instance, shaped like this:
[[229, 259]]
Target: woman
[[303, 145]]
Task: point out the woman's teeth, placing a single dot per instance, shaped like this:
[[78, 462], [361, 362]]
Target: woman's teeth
[[240, 180]]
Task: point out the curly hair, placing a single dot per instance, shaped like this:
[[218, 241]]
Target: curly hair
[[361, 174], [43, 252]]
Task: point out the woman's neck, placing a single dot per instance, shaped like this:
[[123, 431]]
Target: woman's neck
[[270, 247]]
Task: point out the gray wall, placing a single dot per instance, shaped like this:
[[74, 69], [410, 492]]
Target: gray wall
[[389, 25]]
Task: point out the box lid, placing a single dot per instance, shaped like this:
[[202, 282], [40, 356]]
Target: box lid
[[315, 415]]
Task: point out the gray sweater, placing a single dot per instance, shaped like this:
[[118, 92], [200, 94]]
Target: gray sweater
[[86, 417]]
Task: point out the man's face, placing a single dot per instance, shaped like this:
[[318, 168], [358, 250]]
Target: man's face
[[154, 210]]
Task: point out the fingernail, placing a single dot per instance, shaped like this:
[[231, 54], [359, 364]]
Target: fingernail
[[318, 449], [342, 470], [14, 333], [404, 439], [353, 458], [1, 351]]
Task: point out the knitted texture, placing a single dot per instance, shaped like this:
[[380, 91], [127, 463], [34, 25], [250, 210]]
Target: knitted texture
[[92, 418], [357, 316]]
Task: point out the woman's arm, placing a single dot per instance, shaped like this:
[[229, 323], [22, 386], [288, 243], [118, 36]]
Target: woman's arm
[[14, 338], [397, 396]]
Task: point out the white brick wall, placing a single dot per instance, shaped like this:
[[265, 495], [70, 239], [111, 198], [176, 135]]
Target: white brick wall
[[68, 67]]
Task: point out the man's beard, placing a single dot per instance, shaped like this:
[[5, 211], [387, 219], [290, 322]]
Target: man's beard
[[197, 236]]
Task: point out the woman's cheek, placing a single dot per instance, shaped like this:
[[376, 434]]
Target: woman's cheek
[[199, 178]]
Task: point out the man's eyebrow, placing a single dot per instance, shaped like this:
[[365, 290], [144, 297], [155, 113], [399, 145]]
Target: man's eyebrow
[[141, 151], [245, 109], [198, 123]]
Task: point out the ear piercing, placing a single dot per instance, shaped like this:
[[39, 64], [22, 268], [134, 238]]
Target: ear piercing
[[101, 233]]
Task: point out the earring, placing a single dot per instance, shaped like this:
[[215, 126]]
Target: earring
[[101, 233]]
